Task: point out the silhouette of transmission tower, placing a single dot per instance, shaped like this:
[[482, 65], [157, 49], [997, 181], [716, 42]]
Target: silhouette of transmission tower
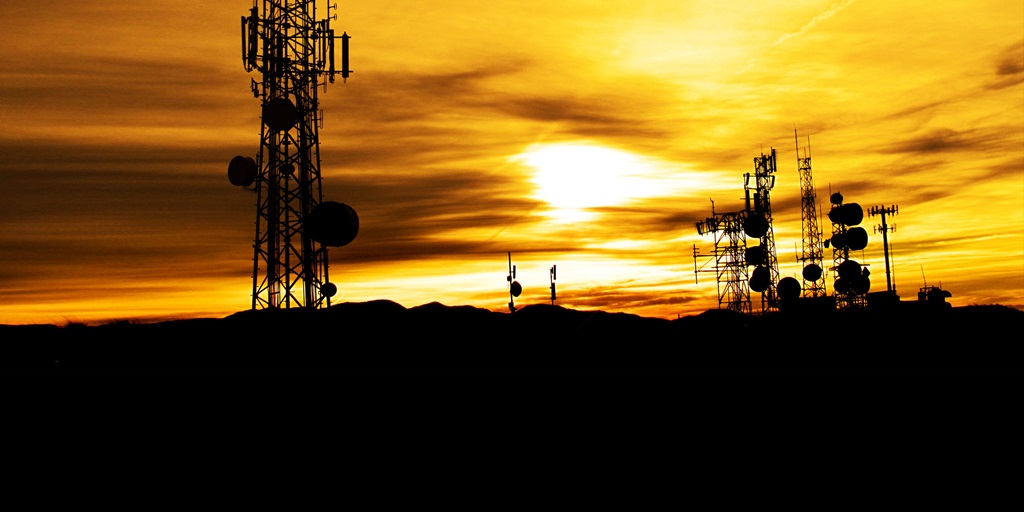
[[764, 279], [732, 254], [294, 53]]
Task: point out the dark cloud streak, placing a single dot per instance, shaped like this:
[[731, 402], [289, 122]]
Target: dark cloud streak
[[946, 140]]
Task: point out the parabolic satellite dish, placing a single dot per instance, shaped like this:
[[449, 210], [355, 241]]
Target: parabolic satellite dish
[[849, 214], [242, 171], [280, 114], [755, 226], [857, 238], [332, 223], [812, 272], [760, 278], [788, 288]]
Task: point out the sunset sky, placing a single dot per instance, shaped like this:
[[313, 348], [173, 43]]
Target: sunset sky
[[591, 135]]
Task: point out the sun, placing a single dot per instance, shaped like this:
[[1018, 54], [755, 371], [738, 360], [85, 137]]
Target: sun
[[573, 178]]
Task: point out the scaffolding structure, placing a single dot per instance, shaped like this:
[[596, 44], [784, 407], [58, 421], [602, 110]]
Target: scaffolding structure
[[729, 257]]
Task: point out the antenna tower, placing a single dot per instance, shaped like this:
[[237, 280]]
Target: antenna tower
[[810, 251], [885, 229], [294, 54], [758, 225], [554, 275], [514, 288], [730, 258], [852, 282]]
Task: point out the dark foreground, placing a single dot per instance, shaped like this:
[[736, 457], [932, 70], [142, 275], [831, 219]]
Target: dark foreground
[[385, 338]]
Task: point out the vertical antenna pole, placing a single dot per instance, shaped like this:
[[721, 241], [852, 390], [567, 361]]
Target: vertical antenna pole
[[511, 285], [553, 277], [884, 228], [694, 263]]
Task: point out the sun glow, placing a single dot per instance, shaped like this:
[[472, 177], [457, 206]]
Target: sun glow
[[574, 178]]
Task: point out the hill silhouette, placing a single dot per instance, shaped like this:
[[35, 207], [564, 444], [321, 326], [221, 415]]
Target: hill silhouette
[[386, 338]]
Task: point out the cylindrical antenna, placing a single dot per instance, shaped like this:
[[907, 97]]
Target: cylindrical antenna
[[330, 52], [344, 55], [254, 34], [245, 43]]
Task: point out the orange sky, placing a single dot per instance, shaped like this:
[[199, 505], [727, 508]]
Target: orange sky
[[587, 135]]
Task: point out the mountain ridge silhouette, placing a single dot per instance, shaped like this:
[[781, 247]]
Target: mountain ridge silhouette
[[382, 337]]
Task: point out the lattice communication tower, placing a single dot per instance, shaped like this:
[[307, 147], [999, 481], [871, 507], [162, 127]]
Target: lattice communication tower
[[811, 254], [758, 225], [730, 258], [294, 54], [851, 283]]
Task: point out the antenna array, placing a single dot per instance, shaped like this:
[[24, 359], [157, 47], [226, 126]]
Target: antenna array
[[852, 283]]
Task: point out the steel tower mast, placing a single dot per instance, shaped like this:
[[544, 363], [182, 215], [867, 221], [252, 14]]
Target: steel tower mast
[[730, 258], [810, 253], [294, 54], [885, 229], [852, 282], [758, 225]]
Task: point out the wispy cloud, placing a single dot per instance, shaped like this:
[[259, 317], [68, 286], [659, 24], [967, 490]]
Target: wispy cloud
[[833, 9]]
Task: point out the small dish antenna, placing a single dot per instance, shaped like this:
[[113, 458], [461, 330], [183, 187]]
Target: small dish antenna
[[514, 288]]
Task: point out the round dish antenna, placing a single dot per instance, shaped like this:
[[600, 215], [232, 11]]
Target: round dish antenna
[[849, 270], [789, 288], [839, 241], [856, 238], [328, 289], [755, 255], [760, 279], [849, 214], [280, 114], [812, 272], [242, 171], [332, 223], [755, 226]]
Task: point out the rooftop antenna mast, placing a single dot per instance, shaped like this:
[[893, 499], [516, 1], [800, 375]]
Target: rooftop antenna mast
[[294, 54]]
